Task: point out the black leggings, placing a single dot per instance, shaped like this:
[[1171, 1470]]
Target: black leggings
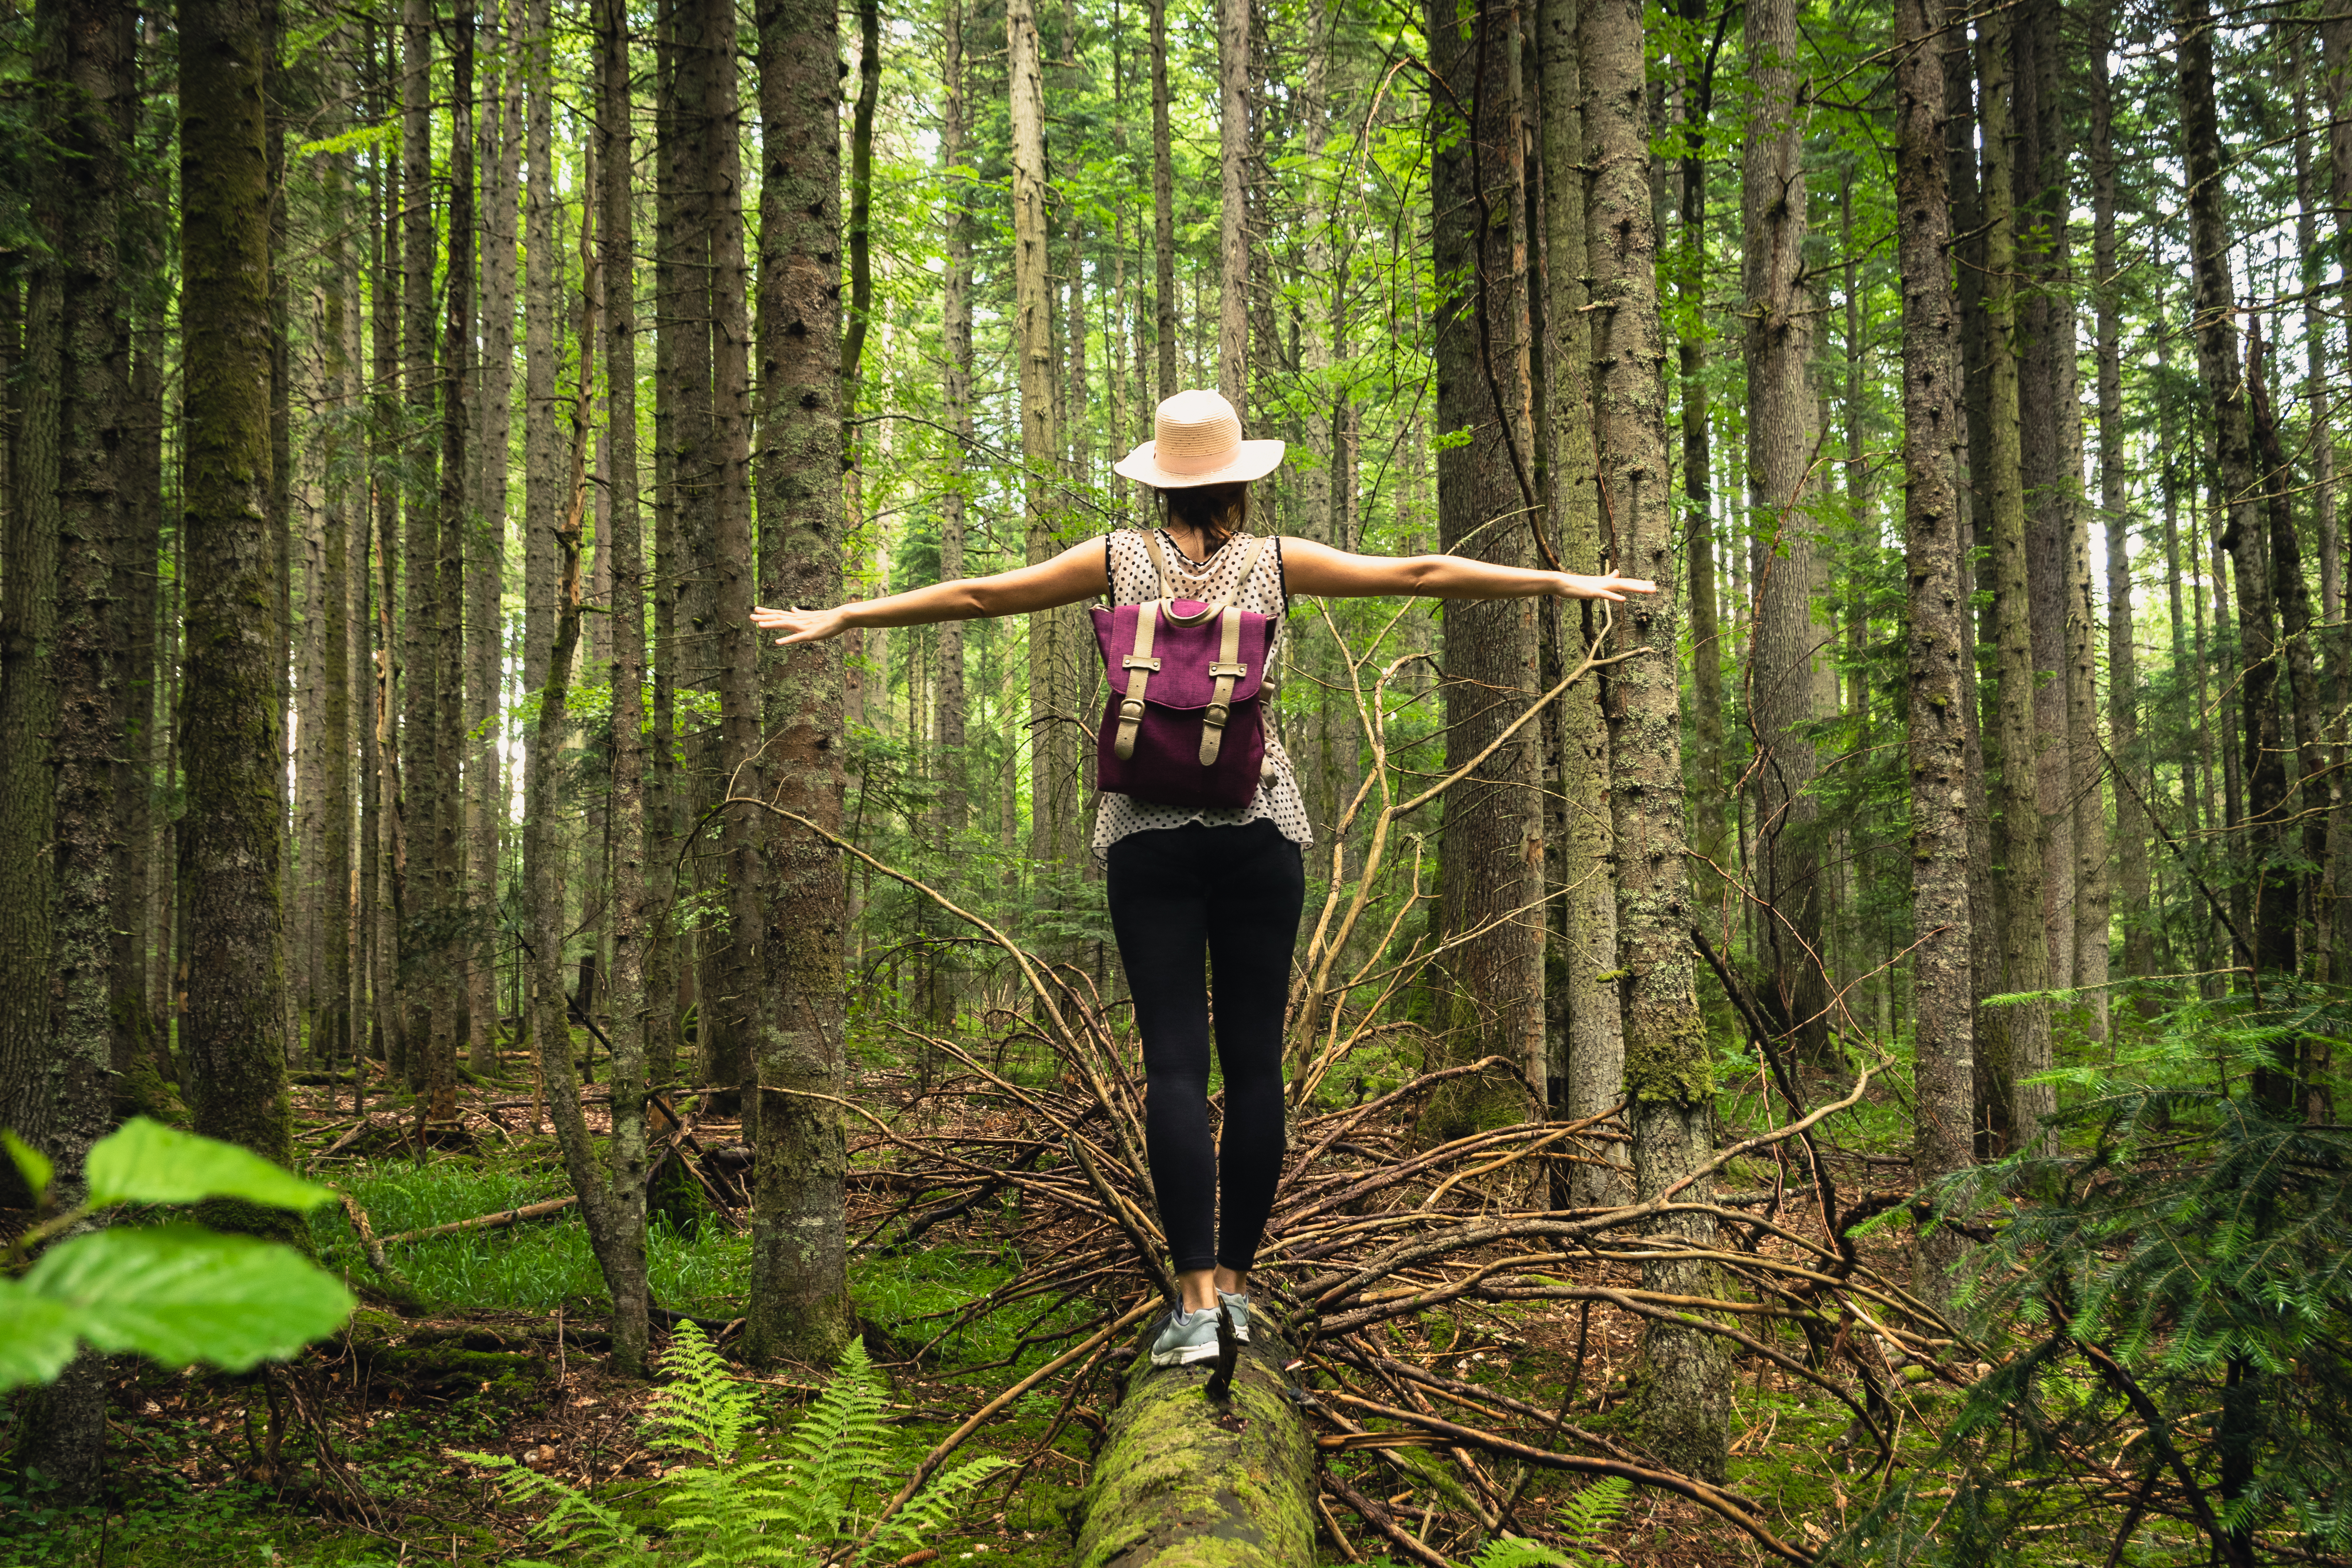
[[1232, 895]]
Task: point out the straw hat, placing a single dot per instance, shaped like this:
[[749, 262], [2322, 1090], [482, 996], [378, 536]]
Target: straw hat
[[1197, 440]]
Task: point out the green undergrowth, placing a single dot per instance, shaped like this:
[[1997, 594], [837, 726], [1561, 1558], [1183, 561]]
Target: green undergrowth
[[536, 1265]]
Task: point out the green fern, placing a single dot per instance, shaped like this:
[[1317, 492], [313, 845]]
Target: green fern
[[1582, 1517], [796, 1509]]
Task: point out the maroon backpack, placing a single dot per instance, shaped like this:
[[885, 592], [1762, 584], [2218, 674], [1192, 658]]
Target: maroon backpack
[[1185, 725]]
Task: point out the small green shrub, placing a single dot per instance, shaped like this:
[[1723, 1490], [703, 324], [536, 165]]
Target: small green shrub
[[821, 1494]]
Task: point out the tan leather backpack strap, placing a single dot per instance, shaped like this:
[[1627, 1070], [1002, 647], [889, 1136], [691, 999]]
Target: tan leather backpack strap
[[1165, 588], [1141, 666], [1227, 669], [1215, 607]]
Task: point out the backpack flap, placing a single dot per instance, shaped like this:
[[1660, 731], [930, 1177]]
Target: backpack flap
[[1175, 668]]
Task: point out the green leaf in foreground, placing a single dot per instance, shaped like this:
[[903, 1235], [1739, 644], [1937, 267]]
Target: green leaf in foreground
[[148, 1163], [37, 1336], [180, 1293], [30, 1162]]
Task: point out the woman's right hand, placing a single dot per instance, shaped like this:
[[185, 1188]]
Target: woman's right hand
[[802, 625]]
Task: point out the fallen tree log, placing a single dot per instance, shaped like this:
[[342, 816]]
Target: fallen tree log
[[486, 1222], [1186, 1481]]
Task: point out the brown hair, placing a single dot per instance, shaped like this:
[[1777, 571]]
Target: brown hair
[[1219, 511]]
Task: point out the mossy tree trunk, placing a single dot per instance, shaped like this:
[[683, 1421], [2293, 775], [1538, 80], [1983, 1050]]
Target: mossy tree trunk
[[1683, 1395], [1185, 1482]]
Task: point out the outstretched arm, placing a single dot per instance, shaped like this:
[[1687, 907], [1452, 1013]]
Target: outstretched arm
[[1076, 574], [1318, 569]]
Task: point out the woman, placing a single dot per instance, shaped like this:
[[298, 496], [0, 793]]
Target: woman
[[1183, 883]]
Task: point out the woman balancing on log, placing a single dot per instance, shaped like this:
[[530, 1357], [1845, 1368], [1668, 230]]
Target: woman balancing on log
[[1201, 825]]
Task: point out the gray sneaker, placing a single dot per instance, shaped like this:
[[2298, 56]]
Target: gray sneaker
[[1184, 1338], [1238, 1306]]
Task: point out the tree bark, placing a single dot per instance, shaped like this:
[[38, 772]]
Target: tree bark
[[1708, 823], [2123, 677], [230, 876], [2235, 497], [485, 538], [1054, 803], [450, 893], [1786, 670], [1163, 208], [2022, 1044], [1592, 1074], [330, 1035], [953, 811], [616, 1219], [1491, 852], [1683, 1398], [1938, 640], [418, 730], [799, 1304], [1234, 244]]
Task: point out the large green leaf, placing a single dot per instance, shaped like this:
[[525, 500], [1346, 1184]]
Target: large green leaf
[[147, 1162], [31, 1165], [36, 1335], [180, 1293]]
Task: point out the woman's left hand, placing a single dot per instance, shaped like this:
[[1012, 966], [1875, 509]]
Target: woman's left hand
[[801, 626], [1612, 587]]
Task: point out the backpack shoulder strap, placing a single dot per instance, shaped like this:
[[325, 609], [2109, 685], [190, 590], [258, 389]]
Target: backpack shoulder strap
[[1223, 601]]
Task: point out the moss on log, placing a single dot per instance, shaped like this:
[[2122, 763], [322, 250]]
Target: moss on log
[[1185, 1482]]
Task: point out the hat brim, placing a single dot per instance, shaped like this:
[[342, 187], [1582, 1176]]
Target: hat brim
[[1254, 460]]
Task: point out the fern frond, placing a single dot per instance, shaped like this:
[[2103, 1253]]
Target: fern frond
[[1595, 1507], [1517, 1552], [585, 1526], [932, 1509]]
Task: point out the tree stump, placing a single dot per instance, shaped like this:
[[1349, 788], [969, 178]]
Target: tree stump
[[1183, 1481]]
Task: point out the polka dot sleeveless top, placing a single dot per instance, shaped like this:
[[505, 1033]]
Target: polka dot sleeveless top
[[1133, 582]]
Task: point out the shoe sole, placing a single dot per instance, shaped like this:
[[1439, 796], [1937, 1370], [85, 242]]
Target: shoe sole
[[1185, 1355]]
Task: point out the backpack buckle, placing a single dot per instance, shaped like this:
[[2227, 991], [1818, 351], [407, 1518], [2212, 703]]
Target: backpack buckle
[[1216, 715], [1131, 708], [1131, 662], [1238, 671]]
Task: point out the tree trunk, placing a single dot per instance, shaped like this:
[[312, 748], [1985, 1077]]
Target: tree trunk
[[2022, 1044], [542, 456], [616, 1219], [1163, 207], [2236, 497], [1786, 669], [2329, 927], [486, 554], [418, 730], [1708, 825], [233, 1036], [330, 1035], [1492, 850], [1234, 243], [1592, 1074], [1683, 1398], [387, 1013], [139, 1059], [1181, 1484], [1938, 640], [800, 1306], [447, 823], [1054, 803], [2123, 679], [952, 810]]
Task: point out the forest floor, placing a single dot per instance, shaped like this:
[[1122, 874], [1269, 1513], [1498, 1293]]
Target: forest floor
[[508, 1361]]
